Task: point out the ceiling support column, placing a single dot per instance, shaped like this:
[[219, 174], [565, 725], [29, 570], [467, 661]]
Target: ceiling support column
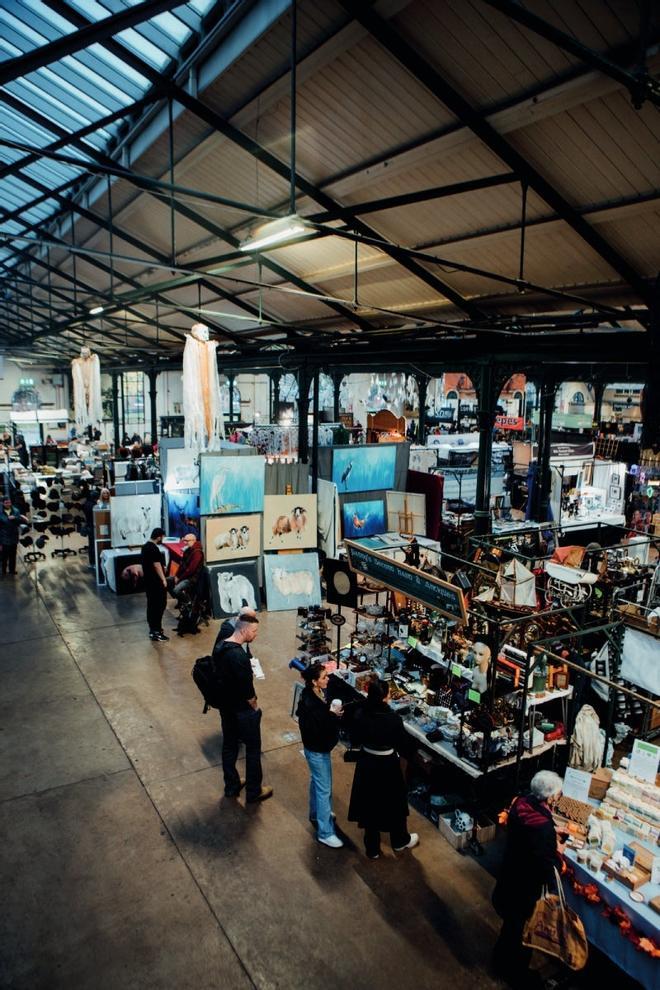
[[152, 375], [487, 394]]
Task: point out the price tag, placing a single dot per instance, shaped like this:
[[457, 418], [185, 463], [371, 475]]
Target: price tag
[[456, 670], [576, 784], [474, 696], [412, 641], [644, 761]]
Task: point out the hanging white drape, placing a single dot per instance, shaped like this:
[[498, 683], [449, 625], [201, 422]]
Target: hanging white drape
[[202, 410], [86, 374]]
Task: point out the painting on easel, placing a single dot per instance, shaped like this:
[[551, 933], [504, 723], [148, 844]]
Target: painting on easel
[[406, 512]]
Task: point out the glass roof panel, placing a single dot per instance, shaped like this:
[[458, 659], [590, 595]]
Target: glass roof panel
[[77, 90]]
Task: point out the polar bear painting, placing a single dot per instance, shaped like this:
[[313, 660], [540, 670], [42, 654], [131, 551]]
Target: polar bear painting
[[233, 586], [292, 580], [235, 591]]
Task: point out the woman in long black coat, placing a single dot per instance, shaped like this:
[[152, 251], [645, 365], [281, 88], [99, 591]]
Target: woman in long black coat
[[532, 852], [379, 797]]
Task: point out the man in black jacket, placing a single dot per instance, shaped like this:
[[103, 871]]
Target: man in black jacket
[[240, 714]]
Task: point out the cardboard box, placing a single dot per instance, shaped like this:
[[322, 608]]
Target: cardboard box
[[458, 840]]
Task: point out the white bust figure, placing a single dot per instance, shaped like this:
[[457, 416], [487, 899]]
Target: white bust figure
[[481, 667], [200, 332]]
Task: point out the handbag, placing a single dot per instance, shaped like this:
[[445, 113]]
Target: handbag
[[557, 930]]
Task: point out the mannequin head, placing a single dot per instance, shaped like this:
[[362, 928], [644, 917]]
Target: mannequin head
[[481, 656], [85, 352], [200, 331]]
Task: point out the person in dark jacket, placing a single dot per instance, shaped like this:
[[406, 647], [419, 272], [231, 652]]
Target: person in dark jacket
[[379, 797], [319, 730], [531, 855], [155, 584], [10, 523], [240, 714], [192, 562]]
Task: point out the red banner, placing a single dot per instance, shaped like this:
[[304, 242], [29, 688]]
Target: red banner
[[509, 423]]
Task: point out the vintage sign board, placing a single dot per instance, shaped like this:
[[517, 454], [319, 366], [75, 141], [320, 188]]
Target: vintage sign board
[[409, 581]]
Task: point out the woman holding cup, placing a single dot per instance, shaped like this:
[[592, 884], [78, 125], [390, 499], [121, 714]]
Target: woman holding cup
[[319, 730]]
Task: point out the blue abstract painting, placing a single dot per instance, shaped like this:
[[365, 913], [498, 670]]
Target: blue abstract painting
[[183, 512], [364, 469], [363, 518], [292, 580], [231, 484]]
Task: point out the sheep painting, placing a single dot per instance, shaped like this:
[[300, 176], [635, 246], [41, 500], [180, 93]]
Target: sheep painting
[[232, 537], [233, 586], [290, 522], [132, 518], [182, 470], [292, 580]]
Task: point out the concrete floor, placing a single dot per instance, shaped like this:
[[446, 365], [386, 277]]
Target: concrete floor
[[123, 867]]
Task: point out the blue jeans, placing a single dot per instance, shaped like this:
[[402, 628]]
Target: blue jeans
[[320, 792]]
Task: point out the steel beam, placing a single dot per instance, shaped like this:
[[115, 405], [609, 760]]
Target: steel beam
[[641, 85], [438, 85], [407, 199]]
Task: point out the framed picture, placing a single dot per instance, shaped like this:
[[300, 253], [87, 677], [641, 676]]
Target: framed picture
[[292, 580], [290, 522], [615, 493], [234, 585], [232, 537], [406, 512], [364, 469], [231, 484], [182, 469], [132, 518], [560, 680], [363, 518], [182, 512], [614, 479]]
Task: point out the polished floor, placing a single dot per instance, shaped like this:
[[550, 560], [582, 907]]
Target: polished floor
[[121, 866]]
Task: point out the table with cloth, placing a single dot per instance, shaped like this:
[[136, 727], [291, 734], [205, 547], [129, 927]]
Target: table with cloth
[[605, 934]]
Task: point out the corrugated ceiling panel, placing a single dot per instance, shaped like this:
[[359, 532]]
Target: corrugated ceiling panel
[[499, 59], [363, 104], [292, 307], [439, 220], [600, 152], [637, 241]]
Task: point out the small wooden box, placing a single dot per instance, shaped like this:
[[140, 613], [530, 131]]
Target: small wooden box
[[600, 781], [637, 875]]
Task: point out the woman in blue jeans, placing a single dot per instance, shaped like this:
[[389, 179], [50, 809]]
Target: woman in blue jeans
[[319, 729]]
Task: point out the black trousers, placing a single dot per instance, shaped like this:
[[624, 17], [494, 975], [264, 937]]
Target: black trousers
[[9, 558], [511, 958], [242, 727], [156, 601], [399, 837]]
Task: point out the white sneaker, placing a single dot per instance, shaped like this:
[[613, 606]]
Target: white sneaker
[[333, 841], [414, 841]]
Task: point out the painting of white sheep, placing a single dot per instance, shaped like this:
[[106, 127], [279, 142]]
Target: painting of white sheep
[[292, 580], [132, 518]]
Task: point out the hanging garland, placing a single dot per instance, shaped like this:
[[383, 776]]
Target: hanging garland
[[616, 915]]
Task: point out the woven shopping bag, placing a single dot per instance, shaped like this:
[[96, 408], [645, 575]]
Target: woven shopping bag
[[557, 930]]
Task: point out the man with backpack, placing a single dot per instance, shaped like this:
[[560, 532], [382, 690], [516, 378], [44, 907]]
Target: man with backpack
[[240, 714]]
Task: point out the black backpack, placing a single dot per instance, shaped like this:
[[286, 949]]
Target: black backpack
[[206, 675]]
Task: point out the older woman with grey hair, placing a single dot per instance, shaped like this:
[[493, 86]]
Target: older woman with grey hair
[[531, 855]]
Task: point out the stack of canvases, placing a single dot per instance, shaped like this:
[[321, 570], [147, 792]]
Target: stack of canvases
[[362, 475], [234, 511]]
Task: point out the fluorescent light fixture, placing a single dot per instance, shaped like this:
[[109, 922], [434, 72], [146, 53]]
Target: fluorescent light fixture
[[274, 232], [96, 310]]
